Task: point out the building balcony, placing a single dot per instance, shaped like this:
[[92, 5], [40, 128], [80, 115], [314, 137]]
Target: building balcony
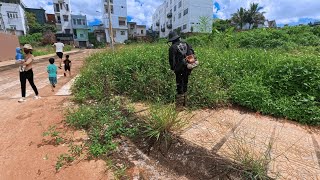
[[169, 26], [163, 29], [169, 15]]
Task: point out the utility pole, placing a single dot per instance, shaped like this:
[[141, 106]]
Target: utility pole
[[110, 26]]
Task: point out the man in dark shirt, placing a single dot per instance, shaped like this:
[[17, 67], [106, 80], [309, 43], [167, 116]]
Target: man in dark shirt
[[179, 66], [67, 65]]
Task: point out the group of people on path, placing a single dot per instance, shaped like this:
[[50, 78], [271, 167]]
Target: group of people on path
[[182, 60], [26, 61]]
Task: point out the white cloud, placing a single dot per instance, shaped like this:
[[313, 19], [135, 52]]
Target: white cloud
[[142, 10], [284, 11]]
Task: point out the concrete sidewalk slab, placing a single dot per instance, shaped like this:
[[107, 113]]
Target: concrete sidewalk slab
[[291, 150]]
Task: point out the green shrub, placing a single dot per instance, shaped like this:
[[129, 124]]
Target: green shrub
[[33, 39]]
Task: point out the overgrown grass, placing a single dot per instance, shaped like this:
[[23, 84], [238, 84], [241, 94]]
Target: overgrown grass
[[104, 123], [272, 82], [162, 120]]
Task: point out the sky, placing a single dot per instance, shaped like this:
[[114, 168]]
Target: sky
[[292, 12]]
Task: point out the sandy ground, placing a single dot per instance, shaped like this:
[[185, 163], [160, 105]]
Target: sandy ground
[[23, 155]]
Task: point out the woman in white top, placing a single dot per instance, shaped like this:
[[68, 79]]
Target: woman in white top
[[27, 73]]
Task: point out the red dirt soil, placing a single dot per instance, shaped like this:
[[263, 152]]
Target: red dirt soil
[[22, 153]]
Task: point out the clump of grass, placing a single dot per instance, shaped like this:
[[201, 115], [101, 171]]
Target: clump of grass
[[254, 163], [161, 123]]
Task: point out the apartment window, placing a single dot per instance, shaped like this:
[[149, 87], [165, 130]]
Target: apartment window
[[122, 23], [123, 33], [184, 27], [57, 8], [74, 21], [185, 12], [83, 22], [66, 18], [174, 18], [179, 15], [79, 21], [12, 15], [61, 6], [58, 19], [180, 4], [167, 4], [13, 27], [141, 31], [67, 7], [67, 31], [111, 9], [81, 35], [170, 1], [175, 8]]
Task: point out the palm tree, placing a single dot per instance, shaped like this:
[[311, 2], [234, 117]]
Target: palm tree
[[254, 16], [239, 17]]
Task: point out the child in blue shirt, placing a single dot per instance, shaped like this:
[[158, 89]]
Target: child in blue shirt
[[52, 71], [20, 59]]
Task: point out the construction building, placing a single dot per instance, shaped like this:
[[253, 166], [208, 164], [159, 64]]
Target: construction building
[[80, 30], [62, 13], [135, 30]]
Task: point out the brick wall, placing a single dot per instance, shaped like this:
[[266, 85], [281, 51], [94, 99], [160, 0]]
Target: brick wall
[[8, 45]]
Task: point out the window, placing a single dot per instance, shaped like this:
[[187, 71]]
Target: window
[[58, 19], [184, 27], [175, 8], [81, 35], [61, 7], [66, 18], [12, 15], [123, 33], [185, 12], [122, 23], [67, 7], [141, 31], [179, 15], [67, 31], [13, 27], [111, 9], [57, 8], [74, 21], [79, 21], [174, 18], [83, 22], [167, 4], [180, 4]]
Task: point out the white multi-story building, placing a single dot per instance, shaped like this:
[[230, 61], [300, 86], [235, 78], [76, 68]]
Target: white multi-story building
[[182, 15], [135, 30], [12, 17], [62, 12], [118, 18]]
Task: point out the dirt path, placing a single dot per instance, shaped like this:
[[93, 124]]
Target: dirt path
[[22, 152]]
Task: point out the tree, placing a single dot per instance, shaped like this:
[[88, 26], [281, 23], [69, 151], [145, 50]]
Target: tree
[[239, 18], [35, 27], [254, 16], [204, 24], [221, 25]]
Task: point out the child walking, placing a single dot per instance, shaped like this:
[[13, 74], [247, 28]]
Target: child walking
[[52, 71], [67, 66]]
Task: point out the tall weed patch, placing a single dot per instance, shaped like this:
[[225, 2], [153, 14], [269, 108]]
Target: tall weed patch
[[272, 82]]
